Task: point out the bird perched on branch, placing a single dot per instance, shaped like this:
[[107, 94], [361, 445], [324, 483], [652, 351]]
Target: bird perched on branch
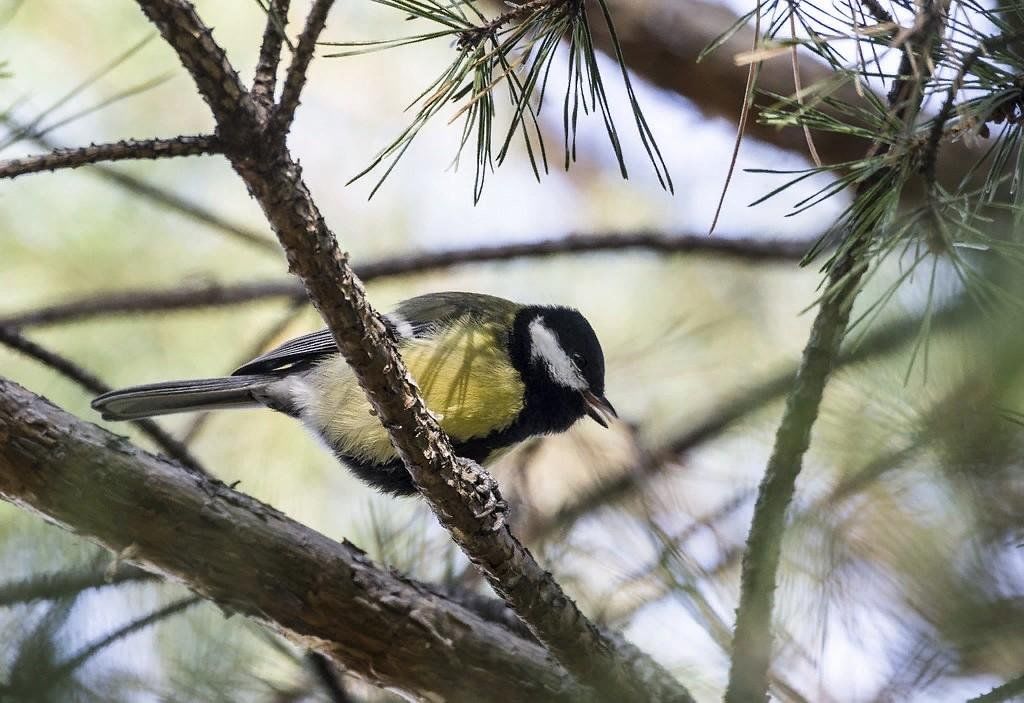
[[494, 373]]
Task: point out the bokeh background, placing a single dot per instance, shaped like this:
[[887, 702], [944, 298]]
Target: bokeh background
[[902, 577]]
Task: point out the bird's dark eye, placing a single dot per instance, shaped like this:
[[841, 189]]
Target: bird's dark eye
[[579, 360]]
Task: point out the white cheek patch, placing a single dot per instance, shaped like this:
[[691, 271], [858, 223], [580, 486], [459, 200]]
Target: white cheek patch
[[544, 345], [402, 326]]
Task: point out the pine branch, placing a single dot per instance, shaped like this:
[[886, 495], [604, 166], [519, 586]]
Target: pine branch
[[265, 82], [253, 560], [512, 53], [216, 294], [752, 641], [10, 338], [116, 151], [459, 494], [284, 113]]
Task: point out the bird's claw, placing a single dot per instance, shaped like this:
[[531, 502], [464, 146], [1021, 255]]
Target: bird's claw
[[482, 495]]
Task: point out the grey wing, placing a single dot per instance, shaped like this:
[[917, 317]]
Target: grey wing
[[308, 347], [417, 317]]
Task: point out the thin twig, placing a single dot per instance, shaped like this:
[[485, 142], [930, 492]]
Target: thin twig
[[296, 78], [149, 300], [115, 151], [191, 297], [171, 609], [265, 82], [472, 37], [880, 14], [10, 338]]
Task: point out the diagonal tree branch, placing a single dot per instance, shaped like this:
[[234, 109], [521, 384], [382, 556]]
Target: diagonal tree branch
[[459, 493], [116, 151], [217, 294], [265, 82], [251, 559]]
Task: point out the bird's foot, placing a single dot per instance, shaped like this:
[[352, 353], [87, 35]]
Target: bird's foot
[[482, 495]]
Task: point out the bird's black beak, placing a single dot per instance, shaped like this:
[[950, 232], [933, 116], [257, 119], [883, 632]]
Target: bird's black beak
[[599, 408]]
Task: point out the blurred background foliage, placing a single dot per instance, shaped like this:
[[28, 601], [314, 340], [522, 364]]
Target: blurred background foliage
[[903, 573]]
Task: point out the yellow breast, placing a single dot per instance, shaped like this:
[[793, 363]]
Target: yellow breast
[[464, 376]]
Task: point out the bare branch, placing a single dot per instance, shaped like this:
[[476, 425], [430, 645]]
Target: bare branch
[[459, 493], [116, 151], [217, 294], [253, 560], [296, 78], [175, 449], [265, 83]]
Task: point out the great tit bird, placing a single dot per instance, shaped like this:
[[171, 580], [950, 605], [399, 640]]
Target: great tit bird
[[493, 372]]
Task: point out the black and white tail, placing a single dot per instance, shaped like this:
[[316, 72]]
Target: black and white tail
[[181, 396]]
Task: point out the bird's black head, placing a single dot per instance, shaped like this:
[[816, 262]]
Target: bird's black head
[[558, 354]]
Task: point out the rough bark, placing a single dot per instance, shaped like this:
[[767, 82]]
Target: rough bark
[[115, 151], [252, 559]]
